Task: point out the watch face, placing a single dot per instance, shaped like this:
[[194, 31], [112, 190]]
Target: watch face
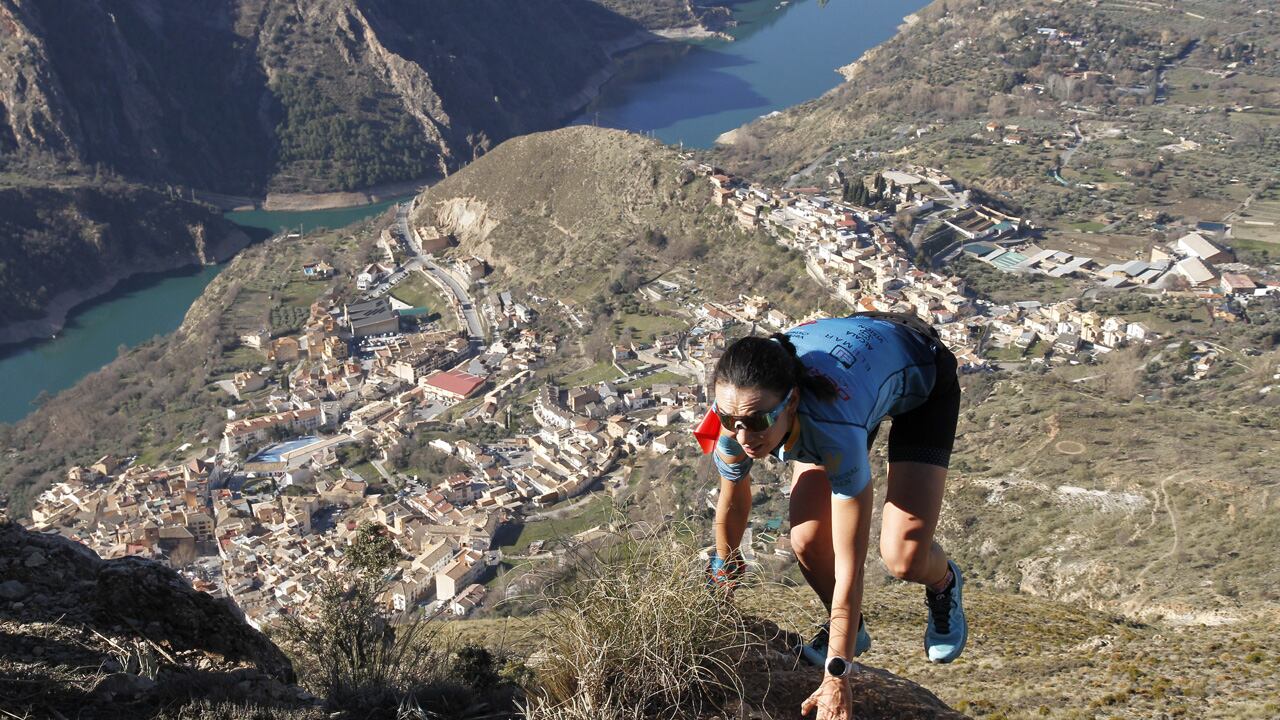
[[837, 667]]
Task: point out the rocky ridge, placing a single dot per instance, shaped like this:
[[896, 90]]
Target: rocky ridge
[[121, 638]]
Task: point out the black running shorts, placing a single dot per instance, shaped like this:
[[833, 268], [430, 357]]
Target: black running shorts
[[927, 433]]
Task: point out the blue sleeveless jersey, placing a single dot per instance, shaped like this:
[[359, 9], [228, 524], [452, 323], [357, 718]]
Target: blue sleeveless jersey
[[879, 368]]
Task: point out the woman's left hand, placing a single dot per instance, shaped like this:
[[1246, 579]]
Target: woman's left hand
[[833, 700]]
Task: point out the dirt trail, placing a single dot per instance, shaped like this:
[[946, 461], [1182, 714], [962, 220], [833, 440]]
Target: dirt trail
[[1174, 546]]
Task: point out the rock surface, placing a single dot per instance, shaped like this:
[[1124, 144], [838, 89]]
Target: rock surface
[[86, 637], [183, 93], [777, 682]]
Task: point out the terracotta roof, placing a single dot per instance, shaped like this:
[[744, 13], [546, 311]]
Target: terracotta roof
[[455, 381], [244, 427]]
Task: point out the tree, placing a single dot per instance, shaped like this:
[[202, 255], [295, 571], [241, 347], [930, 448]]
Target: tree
[[372, 551]]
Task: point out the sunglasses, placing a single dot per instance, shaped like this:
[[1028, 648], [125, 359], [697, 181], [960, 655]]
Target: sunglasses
[[755, 422]]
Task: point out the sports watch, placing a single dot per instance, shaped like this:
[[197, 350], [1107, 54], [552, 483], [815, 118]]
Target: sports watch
[[838, 667]]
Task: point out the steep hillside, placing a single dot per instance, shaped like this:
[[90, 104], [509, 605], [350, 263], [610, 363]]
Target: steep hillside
[[1070, 111], [1149, 506], [131, 638], [1027, 657], [66, 244], [242, 96], [587, 213]]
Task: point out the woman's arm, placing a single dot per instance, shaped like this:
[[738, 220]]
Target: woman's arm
[[850, 532], [733, 508], [850, 529]]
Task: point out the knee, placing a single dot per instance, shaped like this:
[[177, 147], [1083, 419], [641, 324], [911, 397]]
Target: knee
[[808, 544], [905, 562]]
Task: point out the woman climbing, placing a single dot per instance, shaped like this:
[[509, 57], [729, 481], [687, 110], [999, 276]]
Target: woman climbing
[[816, 395]]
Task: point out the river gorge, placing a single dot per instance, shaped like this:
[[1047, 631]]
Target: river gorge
[[682, 92]]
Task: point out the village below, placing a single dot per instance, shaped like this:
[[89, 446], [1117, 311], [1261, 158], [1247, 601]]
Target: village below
[[260, 514]]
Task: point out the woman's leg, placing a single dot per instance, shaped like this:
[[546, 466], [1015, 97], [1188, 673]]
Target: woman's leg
[[911, 508], [811, 528]]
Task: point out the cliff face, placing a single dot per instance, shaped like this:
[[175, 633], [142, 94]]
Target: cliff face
[[121, 638], [64, 245], [242, 96], [247, 97]]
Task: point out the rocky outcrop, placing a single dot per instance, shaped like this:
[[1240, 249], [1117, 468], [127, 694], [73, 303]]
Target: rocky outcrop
[[33, 104], [776, 683], [118, 638], [65, 245]]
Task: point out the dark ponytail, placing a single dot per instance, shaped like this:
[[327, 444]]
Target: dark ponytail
[[769, 364]]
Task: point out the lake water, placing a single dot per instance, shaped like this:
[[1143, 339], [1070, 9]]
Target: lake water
[[293, 221], [136, 311], [692, 92], [688, 92]]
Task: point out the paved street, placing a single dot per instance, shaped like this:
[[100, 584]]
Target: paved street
[[475, 328]]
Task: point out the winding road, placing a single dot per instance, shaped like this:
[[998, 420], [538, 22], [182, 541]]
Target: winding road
[[475, 328]]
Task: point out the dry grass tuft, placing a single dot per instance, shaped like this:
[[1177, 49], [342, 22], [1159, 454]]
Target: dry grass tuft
[[636, 634]]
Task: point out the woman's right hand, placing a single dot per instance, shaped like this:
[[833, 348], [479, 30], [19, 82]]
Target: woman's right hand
[[833, 700]]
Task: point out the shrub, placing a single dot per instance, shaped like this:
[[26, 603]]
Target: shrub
[[636, 634], [350, 651], [372, 551]]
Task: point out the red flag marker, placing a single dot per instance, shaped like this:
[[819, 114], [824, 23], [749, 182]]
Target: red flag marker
[[708, 432]]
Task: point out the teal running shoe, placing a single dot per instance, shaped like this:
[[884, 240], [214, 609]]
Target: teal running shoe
[[815, 651], [947, 631]]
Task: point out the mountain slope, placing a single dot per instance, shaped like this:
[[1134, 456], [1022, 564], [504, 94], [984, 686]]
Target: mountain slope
[[66, 244], [608, 206], [241, 96], [122, 638], [1004, 94]]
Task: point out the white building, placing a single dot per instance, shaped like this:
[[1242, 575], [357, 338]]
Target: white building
[[1195, 245]]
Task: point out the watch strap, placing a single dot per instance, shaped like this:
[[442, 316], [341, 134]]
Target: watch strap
[[847, 666]]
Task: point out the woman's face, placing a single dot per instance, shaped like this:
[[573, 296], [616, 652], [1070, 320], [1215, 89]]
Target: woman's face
[[733, 400]]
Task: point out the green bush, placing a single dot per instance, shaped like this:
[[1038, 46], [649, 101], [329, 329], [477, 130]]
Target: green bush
[[350, 652]]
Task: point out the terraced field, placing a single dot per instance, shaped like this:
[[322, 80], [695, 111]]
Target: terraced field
[[1260, 222]]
